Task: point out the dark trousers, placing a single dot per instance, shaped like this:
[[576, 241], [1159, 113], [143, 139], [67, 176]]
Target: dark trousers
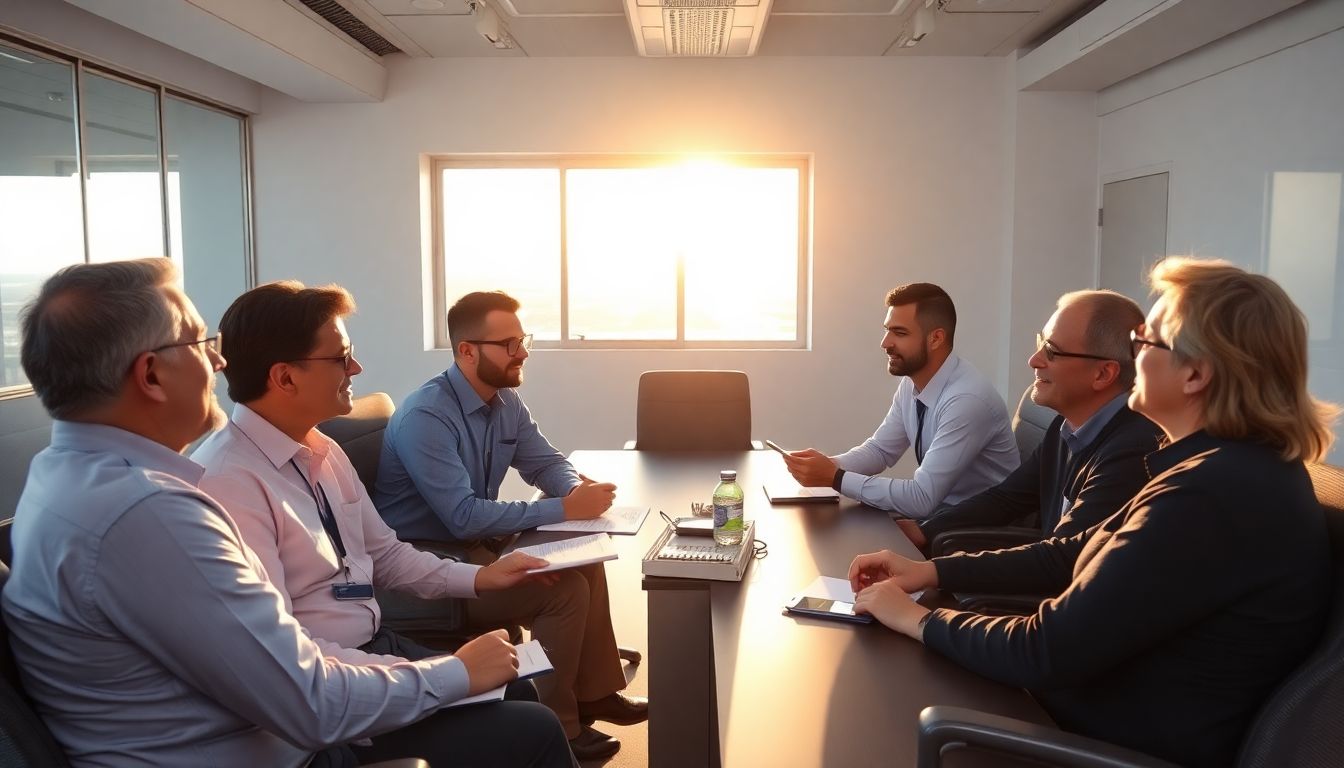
[[515, 732]]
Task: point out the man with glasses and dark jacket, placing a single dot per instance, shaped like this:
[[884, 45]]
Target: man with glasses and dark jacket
[[1090, 461], [445, 452]]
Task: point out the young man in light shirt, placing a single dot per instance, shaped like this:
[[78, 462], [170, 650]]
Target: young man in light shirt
[[945, 409], [302, 509]]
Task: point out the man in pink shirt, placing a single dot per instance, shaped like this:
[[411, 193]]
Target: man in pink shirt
[[301, 508]]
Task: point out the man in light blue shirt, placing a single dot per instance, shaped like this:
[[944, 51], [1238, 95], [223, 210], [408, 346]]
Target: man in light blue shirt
[[945, 409], [445, 453], [145, 631]]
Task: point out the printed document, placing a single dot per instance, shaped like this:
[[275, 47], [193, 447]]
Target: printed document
[[617, 520], [571, 553], [532, 661]]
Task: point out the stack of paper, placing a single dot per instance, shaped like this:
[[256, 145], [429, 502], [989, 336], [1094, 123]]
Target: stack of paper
[[532, 661], [617, 520], [571, 553]]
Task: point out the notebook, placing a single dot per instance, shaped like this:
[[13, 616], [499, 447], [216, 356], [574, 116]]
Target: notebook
[[792, 493]]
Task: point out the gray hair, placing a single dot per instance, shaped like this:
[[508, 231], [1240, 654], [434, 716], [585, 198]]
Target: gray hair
[[87, 325], [1111, 316]]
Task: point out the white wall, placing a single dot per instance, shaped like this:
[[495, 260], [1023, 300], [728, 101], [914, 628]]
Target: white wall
[[1226, 118], [911, 183]]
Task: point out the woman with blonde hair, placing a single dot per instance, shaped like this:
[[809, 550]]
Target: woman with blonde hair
[[1176, 617]]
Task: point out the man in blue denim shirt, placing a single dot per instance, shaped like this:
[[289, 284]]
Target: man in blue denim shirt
[[445, 453]]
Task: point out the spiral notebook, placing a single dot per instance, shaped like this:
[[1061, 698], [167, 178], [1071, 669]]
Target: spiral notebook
[[698, 557]]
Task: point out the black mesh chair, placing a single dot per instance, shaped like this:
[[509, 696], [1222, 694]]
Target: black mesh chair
[[1297, 726], [693, 411]]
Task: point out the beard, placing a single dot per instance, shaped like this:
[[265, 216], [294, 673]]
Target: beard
[[500, 376], [907, 365]]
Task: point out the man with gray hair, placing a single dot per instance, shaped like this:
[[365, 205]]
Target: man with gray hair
[[145, 631], [1090, 461]]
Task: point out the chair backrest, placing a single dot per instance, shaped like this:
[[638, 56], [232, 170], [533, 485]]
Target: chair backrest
[[25, 741], [1299, 724], [693, 411], [360, 434], [1030, 423]]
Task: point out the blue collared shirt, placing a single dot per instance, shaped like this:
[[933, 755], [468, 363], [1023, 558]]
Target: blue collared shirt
[[1080, 438], [147, 633], [445, 453]]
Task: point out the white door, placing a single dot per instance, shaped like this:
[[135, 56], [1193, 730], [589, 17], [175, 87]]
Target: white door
[[1133, 234]]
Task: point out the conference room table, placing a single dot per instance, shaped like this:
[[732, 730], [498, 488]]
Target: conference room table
[[735, 681]]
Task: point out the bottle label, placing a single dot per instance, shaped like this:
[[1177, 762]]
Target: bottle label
[[723, 513]]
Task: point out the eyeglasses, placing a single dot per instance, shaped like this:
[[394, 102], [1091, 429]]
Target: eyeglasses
[[213, 343], [1137, 342], [510, 345], [1051, 351], [345, 360]]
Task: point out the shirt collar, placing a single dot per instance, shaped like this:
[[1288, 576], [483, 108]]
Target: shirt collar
[[137, 450], [931, 391], [278, 447], [466, 396], [1080, 438]]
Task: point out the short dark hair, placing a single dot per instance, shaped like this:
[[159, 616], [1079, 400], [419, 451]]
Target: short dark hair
[[466, 319], [274, 323], [933, 307], [87, 325]]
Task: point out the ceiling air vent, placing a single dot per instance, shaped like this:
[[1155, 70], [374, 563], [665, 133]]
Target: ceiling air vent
[[347, 22], [697, 27]]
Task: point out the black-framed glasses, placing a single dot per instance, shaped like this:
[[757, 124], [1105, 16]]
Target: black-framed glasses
[[213, 343], [511, 346], [1051, 351], [1137, 342], [345, 360]]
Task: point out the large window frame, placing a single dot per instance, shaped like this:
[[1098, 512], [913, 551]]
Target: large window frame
[[82, 65], [565, 163]]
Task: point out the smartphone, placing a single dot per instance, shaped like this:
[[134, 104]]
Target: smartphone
[[772, 445], [827, 609]]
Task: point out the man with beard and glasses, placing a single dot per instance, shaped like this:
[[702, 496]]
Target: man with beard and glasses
[[445, 453], [943, 407]]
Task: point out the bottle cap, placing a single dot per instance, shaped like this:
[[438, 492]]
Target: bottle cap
[[728, 475]]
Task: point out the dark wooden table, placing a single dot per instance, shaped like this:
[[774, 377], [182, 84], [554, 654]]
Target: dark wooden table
[[734, 681]]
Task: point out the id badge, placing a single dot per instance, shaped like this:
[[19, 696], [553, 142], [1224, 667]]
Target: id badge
[[352, 591]]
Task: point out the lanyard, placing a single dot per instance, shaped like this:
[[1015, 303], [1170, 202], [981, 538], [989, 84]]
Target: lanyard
[[324, 513]]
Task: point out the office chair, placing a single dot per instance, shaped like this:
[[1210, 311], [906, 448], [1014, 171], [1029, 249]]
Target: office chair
[[693, 411], [360, 434], [1298, 724], [1030, 423]]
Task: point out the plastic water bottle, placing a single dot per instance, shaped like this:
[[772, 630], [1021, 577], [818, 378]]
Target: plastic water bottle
[[728, 509]]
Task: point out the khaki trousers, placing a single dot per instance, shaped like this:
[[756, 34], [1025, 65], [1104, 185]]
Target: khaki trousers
[[572, 621]]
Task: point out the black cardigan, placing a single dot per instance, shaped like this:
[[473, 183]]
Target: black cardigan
[[1100, 479], [1176, 617]]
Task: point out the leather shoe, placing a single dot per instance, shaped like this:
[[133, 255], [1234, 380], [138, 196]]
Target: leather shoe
[[629, 654], [616, 708], [592, 744]]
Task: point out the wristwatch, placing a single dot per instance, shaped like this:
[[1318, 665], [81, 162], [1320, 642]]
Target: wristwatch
[[835, 481]]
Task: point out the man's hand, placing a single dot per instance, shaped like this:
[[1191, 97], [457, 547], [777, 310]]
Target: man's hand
[[588, 499], [908, 575], [887, 602], [507, 571], [912, 532], [491, 661], [810, 467]]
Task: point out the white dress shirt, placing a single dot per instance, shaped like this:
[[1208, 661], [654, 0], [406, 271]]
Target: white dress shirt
[[147, 633], [252, 468], [967, 441]]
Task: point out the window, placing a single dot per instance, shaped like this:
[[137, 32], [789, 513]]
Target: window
[[98, 166], [620, 252]]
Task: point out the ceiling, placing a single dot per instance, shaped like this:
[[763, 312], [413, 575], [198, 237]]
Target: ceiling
[[446, 28]]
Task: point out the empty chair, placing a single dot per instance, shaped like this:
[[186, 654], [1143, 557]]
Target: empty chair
[[693, 411], [360, 434], [1297, 725]]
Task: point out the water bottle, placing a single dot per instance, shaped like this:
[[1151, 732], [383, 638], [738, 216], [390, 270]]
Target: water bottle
[[728, 509]]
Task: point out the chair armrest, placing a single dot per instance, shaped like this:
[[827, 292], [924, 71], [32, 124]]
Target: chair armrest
[[629, 445], [998, 605], [981, 539], [944, 726], [405, 762], [757, 445]]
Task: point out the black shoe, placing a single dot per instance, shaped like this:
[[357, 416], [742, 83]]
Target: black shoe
[[616, 708], [629, 654], [592, 744]]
